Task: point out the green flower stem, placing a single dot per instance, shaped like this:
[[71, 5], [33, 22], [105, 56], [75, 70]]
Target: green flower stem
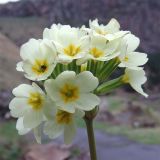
[[58, 69], [65, 67], [109, 85], [61, 68], [74, 66], [99, 67], [108, 69], [89, 116], [70, 67], [53, 75], [92, 66], [78, 69], [91, 139], [89, 65]]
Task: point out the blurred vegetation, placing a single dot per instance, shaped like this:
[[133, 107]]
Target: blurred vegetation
[[117, 104], [8, 131], [142, 135], [10, 141], [12, 145]]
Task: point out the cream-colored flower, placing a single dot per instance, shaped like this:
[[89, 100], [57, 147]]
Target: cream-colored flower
[[20, 127], [71, 43], [71, 91], [136, 78], [39, 59], [100, 49], [110, 31], [22, 130], [128, 57], [62, 122], [29, 103]]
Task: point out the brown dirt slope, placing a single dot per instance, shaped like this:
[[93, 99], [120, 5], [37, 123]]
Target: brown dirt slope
[[9, 56]]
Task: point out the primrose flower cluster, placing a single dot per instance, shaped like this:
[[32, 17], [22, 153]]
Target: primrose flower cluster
[[70, 67]]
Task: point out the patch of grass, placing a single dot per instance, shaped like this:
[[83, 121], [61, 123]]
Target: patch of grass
[[10, 152], [142, 135], [8, 131], [115, 104], [10, 148], [147, 135]]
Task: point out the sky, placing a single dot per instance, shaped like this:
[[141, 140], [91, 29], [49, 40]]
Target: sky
[[5, 1]]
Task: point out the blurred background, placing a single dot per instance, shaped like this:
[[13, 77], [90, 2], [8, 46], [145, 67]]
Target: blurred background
[[128, 125]]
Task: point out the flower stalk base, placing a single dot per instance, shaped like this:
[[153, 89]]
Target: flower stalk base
[[89, 116]]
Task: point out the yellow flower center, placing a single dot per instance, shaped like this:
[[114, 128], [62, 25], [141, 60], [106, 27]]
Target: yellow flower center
[[125, 78], [69, 93], [72, 50], [36, 101], [96, 52], [126, 59], [40, 66], [63, 117]]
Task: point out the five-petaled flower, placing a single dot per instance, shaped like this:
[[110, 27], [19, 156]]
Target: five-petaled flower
[[71, 43], [39, 59], [128, 57], [71, 91], [29, 103], [100, 49]]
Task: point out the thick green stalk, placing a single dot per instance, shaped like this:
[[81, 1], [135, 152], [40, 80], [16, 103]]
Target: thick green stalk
[[89, 116], [91, 139]]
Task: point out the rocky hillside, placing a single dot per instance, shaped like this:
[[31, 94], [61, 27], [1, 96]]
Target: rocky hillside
[[140, 16]]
